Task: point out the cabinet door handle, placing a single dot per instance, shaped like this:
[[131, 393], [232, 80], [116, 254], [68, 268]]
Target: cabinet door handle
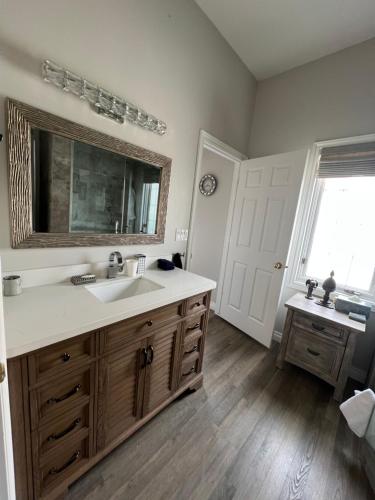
[[71, 461], [149, 322], [317, 327], [192, 369], [54, 437], [66, 396], [313, 353], [145, 357], [194, 327], [66, 357], [194, 348], [151, 356]]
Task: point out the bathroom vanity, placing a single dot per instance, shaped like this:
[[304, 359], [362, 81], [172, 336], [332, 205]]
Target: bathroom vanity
[[86, 371]]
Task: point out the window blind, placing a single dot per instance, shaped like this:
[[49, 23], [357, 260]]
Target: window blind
[[351, 160]]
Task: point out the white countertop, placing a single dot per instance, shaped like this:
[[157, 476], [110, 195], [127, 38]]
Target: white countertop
[[44, 315]]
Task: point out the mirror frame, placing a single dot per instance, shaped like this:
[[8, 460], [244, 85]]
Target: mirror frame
[[21, 119]]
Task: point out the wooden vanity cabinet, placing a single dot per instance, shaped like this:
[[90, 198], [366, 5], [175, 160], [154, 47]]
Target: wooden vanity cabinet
[[73, 402]]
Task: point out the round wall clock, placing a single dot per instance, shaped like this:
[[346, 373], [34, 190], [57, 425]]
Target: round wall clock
[[208, 185]]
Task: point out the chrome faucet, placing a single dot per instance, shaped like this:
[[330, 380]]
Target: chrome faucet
[[115, 266]]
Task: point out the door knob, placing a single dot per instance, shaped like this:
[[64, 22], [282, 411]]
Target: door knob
[[279, 265], [2, 372]]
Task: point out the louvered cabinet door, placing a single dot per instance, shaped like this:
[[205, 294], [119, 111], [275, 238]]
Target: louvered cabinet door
[[162, 367], [121, 388]]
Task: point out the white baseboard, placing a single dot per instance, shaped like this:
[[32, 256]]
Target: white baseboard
[[355, 373], [276, 336]]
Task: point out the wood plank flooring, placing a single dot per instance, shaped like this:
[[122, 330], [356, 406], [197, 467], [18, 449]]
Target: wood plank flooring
[[252, 432]]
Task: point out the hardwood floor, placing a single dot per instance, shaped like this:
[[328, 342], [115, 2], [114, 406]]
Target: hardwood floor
[[252, 432]]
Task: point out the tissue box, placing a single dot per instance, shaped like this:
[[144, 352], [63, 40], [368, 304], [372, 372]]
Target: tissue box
[[346, 305]]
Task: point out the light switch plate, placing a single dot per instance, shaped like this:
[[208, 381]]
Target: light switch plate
[[182, 234]]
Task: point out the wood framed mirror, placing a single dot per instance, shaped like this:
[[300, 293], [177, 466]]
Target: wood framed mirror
[[70, 185]]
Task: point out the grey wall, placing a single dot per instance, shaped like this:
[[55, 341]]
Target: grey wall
[[326, 99], [330, 98], [211, 218], [164, 55]]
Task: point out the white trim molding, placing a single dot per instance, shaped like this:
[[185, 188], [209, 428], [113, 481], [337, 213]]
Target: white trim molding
[[309, 198], [211, 143]]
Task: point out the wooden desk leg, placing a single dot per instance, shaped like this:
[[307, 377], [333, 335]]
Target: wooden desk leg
[[345, 367], [284, 340]]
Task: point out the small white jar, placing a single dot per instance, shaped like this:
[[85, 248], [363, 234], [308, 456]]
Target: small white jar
[[131, 267], [12, 285]]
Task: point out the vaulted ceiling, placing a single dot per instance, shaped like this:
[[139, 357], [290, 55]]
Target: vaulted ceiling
[[273, 36]]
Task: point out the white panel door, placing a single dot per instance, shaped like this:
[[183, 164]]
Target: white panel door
[[263, 217], [7, 490]]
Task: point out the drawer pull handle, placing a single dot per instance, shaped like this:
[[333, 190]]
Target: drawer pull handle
[[71, 461], [66, 357], [55, 437], [197, 304], [194, 348], [319, 328], [65, 396], [149, 322], [194, 327], [192, 369], [314, 353]]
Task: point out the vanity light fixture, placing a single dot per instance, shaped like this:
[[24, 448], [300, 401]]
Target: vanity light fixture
[[102, 101]]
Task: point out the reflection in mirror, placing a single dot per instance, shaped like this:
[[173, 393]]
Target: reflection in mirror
[[80, 188]]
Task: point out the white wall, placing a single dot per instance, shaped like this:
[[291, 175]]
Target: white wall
[[164, 55], [330, 98], [211, 215]]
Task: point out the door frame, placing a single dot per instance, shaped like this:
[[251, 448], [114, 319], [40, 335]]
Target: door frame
[[6, 446], [211, 143]]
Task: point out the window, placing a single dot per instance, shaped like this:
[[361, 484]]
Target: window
[[339, 223], [343, 236]]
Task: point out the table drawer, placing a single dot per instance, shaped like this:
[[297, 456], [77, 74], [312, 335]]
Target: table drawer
[[120, 333], [53, 399], [198, 303], [63, 356], [320, 357], [320, 327]]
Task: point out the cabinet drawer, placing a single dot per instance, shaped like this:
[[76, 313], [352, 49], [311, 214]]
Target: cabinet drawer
[[197, 304], [320, 327], [53, 399], [56, 433], [142, 325], [189, 368], [62, 465], [194, 324], [320, 357], [60, 357]]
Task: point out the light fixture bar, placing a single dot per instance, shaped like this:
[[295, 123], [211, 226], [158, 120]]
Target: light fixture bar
[[102, 101]]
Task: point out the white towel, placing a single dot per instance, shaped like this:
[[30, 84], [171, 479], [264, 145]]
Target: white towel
[[358, 410]]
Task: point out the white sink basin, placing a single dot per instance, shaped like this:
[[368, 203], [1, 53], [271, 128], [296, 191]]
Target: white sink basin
[[122, 289]]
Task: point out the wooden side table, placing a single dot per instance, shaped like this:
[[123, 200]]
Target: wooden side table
[[320, 340]]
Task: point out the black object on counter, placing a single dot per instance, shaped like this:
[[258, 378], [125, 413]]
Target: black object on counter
[[165, 265], [176, 259]]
